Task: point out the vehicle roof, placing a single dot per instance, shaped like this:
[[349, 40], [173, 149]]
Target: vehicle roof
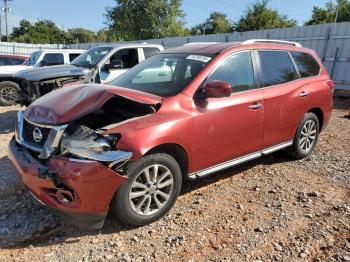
[[129, 45], [14, 56], [213, 48], [62, 50]]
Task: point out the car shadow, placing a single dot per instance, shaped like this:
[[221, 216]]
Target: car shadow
[[341, 103], [7, 121], [64, 233]]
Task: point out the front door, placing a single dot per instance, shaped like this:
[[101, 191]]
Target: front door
[[230, 127], [127, 58]]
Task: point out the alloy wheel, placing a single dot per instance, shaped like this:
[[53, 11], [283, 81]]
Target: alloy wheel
[[8, 94], [151, 190], [308, 135]]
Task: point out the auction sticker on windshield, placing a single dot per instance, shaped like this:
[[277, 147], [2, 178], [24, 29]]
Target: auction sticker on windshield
[[200, 58]]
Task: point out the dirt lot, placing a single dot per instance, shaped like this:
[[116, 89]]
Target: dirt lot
[[273, 209]]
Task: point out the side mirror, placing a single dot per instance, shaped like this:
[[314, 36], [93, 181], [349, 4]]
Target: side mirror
[[216, 89], [42, 63], [115, 64]]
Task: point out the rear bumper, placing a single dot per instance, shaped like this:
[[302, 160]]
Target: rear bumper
[[85, 190]]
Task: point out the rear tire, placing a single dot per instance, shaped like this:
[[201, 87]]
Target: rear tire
[[9, 93], [153, 185], [306, 137]]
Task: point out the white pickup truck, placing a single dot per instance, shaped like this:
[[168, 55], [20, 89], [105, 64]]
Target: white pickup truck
[[9, 89], [100, 64]]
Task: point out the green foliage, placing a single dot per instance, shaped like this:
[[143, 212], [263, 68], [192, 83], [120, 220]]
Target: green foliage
[[145, 19], [215, 24], [329, 12], [43, 31], [81, 35], [259, 16]]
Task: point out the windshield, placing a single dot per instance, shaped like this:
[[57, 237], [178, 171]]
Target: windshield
[[91, 57], [33, 59], [163, 75]]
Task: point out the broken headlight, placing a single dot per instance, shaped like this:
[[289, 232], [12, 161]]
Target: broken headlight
[[87, 144]]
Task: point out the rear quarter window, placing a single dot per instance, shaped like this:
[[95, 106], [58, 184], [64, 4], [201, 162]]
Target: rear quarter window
[[276, 67], [306, 64]]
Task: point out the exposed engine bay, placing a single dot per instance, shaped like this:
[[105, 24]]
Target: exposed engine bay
[[84, 137]]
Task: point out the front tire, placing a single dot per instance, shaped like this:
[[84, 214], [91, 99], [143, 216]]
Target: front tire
[[306, 136], [9, 93], [153, 185]]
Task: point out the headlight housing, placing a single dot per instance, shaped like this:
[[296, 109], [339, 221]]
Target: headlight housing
[[87, 144]]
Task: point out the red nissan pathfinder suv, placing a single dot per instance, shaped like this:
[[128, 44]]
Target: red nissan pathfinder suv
[[185, 113]]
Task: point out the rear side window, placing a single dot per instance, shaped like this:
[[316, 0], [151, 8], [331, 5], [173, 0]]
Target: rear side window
[[150, 51], [238, 71], [306, 64], [5, 61], [72, 56], [277, 68], [53, 59], [17, 61]]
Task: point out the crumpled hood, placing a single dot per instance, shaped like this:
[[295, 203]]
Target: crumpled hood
[[12, 70], [48, 72], [70, 103]]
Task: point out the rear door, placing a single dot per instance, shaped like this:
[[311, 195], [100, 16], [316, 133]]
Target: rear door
[[230, 127], [286, 97]]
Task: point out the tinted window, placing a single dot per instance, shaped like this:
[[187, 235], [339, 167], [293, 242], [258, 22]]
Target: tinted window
[[238, 71], [17, 61], [150, 51], [277, 67], [306, 64], [53, 59], [73, 56], [128, 57], [5, 61]]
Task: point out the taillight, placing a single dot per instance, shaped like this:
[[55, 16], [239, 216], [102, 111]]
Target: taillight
[[331, 84]]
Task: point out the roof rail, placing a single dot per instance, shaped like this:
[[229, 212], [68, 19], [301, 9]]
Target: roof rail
[[273, 41], [201, 43]]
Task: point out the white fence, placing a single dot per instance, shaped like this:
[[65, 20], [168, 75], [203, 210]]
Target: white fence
[[8, 48], [331, 42]]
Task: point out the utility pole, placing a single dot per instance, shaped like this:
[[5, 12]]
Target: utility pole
[[7, 10]]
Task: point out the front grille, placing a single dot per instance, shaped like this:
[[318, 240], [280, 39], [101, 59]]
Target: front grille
[[28, 134]]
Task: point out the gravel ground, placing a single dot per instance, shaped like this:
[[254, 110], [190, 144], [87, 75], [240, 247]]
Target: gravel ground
[[273, 209]]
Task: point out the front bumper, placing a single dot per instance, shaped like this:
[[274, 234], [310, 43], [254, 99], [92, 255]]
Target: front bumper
[[85, 190]]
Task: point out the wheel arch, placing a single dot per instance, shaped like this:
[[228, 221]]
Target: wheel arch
[[320, 115], [174, 150]]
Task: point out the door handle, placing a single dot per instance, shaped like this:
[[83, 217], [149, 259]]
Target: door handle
[[303, 94], [255, 106]]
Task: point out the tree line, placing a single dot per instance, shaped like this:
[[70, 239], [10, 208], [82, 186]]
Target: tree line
[[147, 19]]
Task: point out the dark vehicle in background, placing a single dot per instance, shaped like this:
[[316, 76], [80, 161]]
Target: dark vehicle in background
[[100, 64], [186, 113], [12, 60], [9, 88]]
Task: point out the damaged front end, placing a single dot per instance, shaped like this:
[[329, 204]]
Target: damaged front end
[[73, 166]]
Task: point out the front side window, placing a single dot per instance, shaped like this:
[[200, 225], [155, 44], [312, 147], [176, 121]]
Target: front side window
[[52, 59], [306, 64], [72, 56], [91, 57], [164, 74], [127, 58], [277, 68], [238, 71], [150, 51]]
